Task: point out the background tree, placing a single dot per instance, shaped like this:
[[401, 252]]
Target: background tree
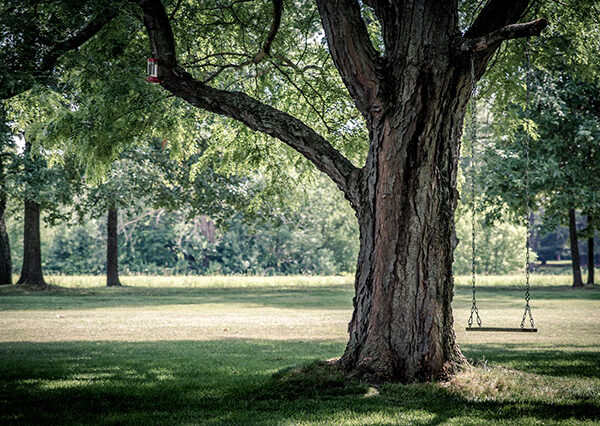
[[31, 176], [35, 34], [564, 157], [592, 226], [141, 177], [5, 142], [565, 65]]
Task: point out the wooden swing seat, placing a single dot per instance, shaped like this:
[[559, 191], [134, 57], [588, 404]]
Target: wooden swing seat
[[517, 329]]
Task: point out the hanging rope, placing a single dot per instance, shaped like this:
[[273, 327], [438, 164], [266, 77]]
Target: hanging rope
[[473, 140], [528, 218]]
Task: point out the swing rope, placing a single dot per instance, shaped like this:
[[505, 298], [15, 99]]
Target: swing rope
[[473, 140], [528, 218]]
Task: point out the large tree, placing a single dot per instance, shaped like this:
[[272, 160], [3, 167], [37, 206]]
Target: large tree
[[411, 81]]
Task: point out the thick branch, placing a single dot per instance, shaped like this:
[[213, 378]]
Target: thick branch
[[353, 54], [493, 39], [239, 106], [495, 15]]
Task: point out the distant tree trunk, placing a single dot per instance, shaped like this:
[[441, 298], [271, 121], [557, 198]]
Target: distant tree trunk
[[5, 260], [590, 247], [31, 273], [112, 249], [577, 281]]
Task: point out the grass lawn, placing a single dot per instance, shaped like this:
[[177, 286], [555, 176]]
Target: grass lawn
[[223, 350]]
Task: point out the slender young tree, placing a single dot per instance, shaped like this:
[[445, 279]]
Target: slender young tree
[[5, 258], [590, 260], [411, 84], [574, 243], [112, 247], [590, 232]]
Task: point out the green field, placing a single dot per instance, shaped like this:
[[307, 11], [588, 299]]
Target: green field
[[223, 350]]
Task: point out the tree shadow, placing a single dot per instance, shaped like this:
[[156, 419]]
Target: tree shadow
[[555, 362], [333, 297], [327, 296], [554, 292], [233, 382]]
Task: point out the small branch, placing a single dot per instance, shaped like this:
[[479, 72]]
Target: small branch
[[262, 53], [135, 220], [85, 33], [266, 48], [494, 38], [175, 9]]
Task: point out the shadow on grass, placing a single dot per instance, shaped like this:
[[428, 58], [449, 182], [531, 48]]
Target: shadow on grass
[[554, 292], [329, 297], [549, 362], [326, 297], [233, 382]]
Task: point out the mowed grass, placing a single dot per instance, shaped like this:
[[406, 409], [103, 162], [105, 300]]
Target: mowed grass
[[225, 350]]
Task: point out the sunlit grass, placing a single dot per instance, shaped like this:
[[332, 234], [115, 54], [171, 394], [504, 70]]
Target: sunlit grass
[[195, 281], [204, 350]]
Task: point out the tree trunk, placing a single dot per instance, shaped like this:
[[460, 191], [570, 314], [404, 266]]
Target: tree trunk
[[575, 263], [31, 273], [112, 249], [401, 328], [590, 250], [5, 260]]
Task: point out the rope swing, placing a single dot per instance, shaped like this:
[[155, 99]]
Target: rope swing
[[473, 140]]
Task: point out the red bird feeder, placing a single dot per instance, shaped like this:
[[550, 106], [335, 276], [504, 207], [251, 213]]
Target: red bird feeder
[[153, 70]]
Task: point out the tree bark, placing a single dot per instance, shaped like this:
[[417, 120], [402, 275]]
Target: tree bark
[[590, 260], [112, 248], [401, 328], [413, 100], [5, 259], [575, 262], [31, 273]]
